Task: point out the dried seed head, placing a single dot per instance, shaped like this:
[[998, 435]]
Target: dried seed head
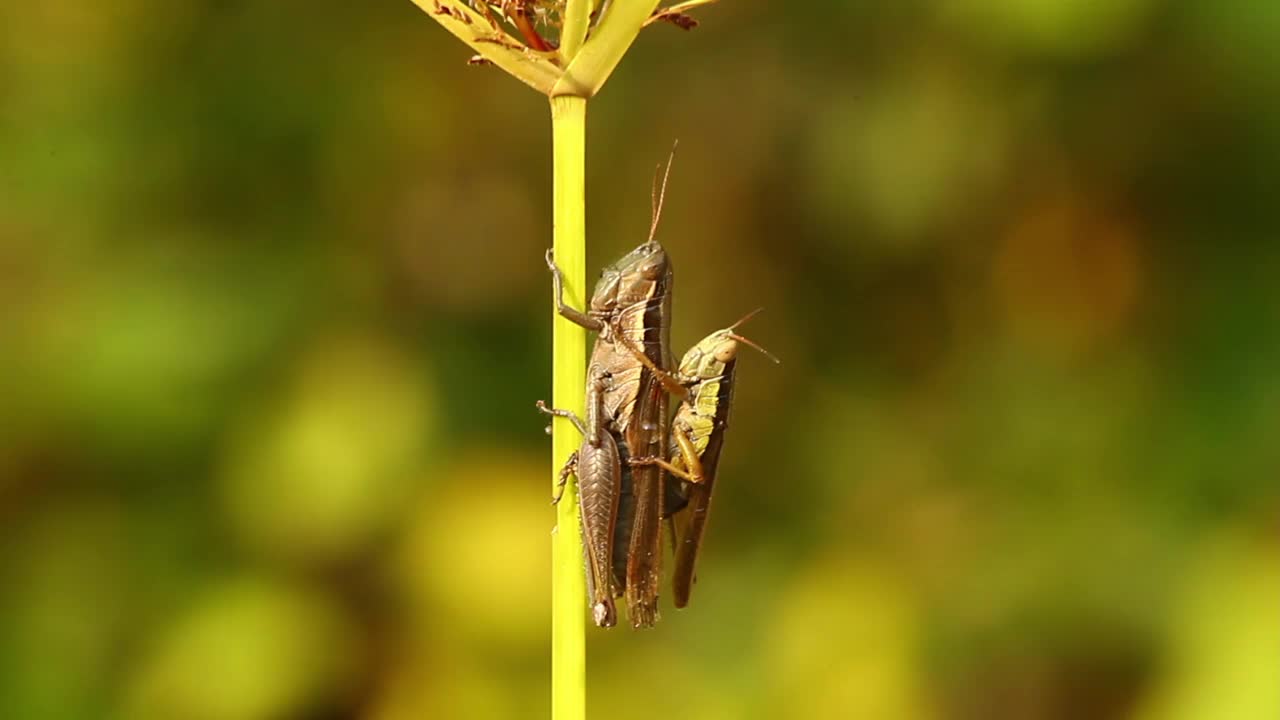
[[676, 15], [680, 20]]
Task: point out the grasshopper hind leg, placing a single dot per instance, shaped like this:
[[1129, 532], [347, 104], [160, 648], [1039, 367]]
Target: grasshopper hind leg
[[570, 468]]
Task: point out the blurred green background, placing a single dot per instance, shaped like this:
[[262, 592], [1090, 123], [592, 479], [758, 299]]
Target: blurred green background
[[273, 317]]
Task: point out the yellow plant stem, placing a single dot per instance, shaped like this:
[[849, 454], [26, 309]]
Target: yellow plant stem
[[609, 41], [573, 30], [569, 348], [587, 55]]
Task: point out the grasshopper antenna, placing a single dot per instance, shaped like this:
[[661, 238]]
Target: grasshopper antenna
[[764, 352], [658, 196], [745, 341], [745, 318]]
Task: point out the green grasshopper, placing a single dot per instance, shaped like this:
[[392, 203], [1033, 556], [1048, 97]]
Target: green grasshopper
[[704, 381], [630, 311]]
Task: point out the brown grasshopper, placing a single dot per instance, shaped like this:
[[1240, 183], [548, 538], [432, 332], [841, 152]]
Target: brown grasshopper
[[630, 309], [705, 382]]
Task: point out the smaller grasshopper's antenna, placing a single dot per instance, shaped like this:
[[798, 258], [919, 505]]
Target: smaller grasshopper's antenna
[[730, 332], [764, 352], [745, 318], [657, 196]]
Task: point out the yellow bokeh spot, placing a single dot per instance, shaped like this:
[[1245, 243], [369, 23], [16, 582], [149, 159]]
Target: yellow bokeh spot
[[843, 645], [249, 650], [332, 460], [476, 560]]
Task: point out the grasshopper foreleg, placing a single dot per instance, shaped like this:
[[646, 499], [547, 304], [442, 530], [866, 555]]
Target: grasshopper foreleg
[[671, 382], [569, 415], [568, 312]]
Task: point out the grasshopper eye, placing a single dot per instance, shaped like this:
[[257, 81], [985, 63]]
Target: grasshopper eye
[[606, 290], [652, 271], [726, 351]]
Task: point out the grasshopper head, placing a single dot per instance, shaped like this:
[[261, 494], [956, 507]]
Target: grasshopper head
[[713, 353], [631, 278], [709, 357]]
